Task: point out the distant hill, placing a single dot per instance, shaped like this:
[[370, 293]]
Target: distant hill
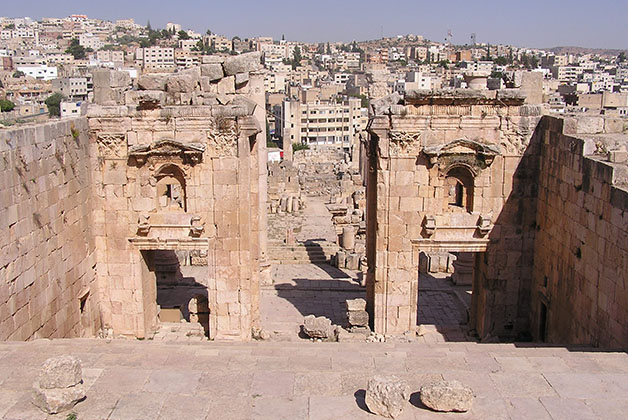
[[582, 50]]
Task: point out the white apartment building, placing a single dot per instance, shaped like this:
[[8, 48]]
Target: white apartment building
[[570, 74], [89, 40], [155, 57], [115, 57], [41, 72], [73, 88], [321, 123]]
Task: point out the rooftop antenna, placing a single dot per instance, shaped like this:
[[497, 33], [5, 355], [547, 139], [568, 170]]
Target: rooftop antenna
[[382, 31]]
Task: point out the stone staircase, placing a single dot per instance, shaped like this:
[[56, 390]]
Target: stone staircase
[[310, 252]]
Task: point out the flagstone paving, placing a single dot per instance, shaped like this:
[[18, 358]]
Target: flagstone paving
[[315, 381]]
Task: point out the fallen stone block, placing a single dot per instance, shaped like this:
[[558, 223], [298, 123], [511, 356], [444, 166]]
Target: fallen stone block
[[242, 63], [387, 396], [358, 304], [318, 327], [447, 396], [212, 71], [59, 385], [152, 82], [358, 318]]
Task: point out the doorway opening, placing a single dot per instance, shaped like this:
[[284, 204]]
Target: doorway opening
[[444, 293], [180, 293]]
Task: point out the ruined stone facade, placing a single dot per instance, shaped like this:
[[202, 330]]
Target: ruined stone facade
[[101, 208], [476, 172]]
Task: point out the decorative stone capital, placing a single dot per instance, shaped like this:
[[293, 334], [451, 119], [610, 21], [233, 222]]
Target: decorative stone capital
[[404, 144]]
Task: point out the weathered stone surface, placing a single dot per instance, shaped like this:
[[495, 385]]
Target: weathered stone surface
[[59, 385], [56, 400], [387, 396], [111, 78], [137, 97], [353, 261], [245, 102], [241, 78], [447, 396], [242, 63], [152, 82], [358, 304], [226, 86], [182, 83], [212, 71], [358, 318], [382, 105], [318, 327], [60, 372]]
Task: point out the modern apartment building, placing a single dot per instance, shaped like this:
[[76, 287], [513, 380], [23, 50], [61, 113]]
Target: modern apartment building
[[316, 122], [155, 58]]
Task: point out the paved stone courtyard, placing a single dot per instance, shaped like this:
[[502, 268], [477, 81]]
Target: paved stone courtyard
[[315, 381]]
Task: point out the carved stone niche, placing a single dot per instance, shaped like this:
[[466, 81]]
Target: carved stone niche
[[463, 152], [167, 150]]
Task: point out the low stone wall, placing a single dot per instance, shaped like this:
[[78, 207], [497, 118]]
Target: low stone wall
[[580, 292], [47, 274]]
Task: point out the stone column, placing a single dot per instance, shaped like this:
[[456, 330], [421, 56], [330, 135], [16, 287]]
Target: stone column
[[348, 238]]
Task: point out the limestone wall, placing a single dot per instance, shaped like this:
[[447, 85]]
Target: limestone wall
[[581, 246], [47, 273]]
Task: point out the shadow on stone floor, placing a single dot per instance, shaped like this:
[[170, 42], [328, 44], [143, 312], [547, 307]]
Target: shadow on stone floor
[[321, 297], [360, 399]]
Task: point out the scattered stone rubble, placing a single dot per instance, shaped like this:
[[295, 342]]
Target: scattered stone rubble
[[59, 385], [387, 396], [212, 83], [447, 396]]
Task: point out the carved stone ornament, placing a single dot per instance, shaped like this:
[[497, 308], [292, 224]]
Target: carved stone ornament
[[472, 154], [404, 144], [190, 153], [223, 137], [484, 225], [112, 146]]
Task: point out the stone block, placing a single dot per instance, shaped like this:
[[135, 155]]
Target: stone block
[[152, 82], [319, 327], [60, 372], [241, 78], [353, 262], [242, 63], [226, 86], [358, 318], [387, 396], [356, 304], [212, 71], [447, 396]]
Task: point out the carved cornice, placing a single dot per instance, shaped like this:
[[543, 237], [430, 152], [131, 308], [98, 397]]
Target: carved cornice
[[470, 153], [190, 153]]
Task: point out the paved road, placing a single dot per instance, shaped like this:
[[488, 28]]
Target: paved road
[[315, 381]]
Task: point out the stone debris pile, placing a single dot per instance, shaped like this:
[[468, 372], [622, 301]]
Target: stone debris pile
[[59, 385], [215, 82]]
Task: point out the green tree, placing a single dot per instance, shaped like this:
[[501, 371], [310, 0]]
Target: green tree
[[183, 35], [6, 105], [10, 26], [53, 102], [76, 49], [500, 61], [296, 57], [18, 74]]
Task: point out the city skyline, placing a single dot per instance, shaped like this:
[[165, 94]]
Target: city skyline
[[534, 24]]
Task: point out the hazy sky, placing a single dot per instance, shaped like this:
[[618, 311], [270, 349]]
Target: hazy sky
[[534, 23]]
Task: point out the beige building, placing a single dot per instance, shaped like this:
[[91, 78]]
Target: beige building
[[315, 122], [155, 58]]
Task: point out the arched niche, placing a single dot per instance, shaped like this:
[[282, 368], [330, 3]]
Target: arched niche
[[171, 189], [459, 188]]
